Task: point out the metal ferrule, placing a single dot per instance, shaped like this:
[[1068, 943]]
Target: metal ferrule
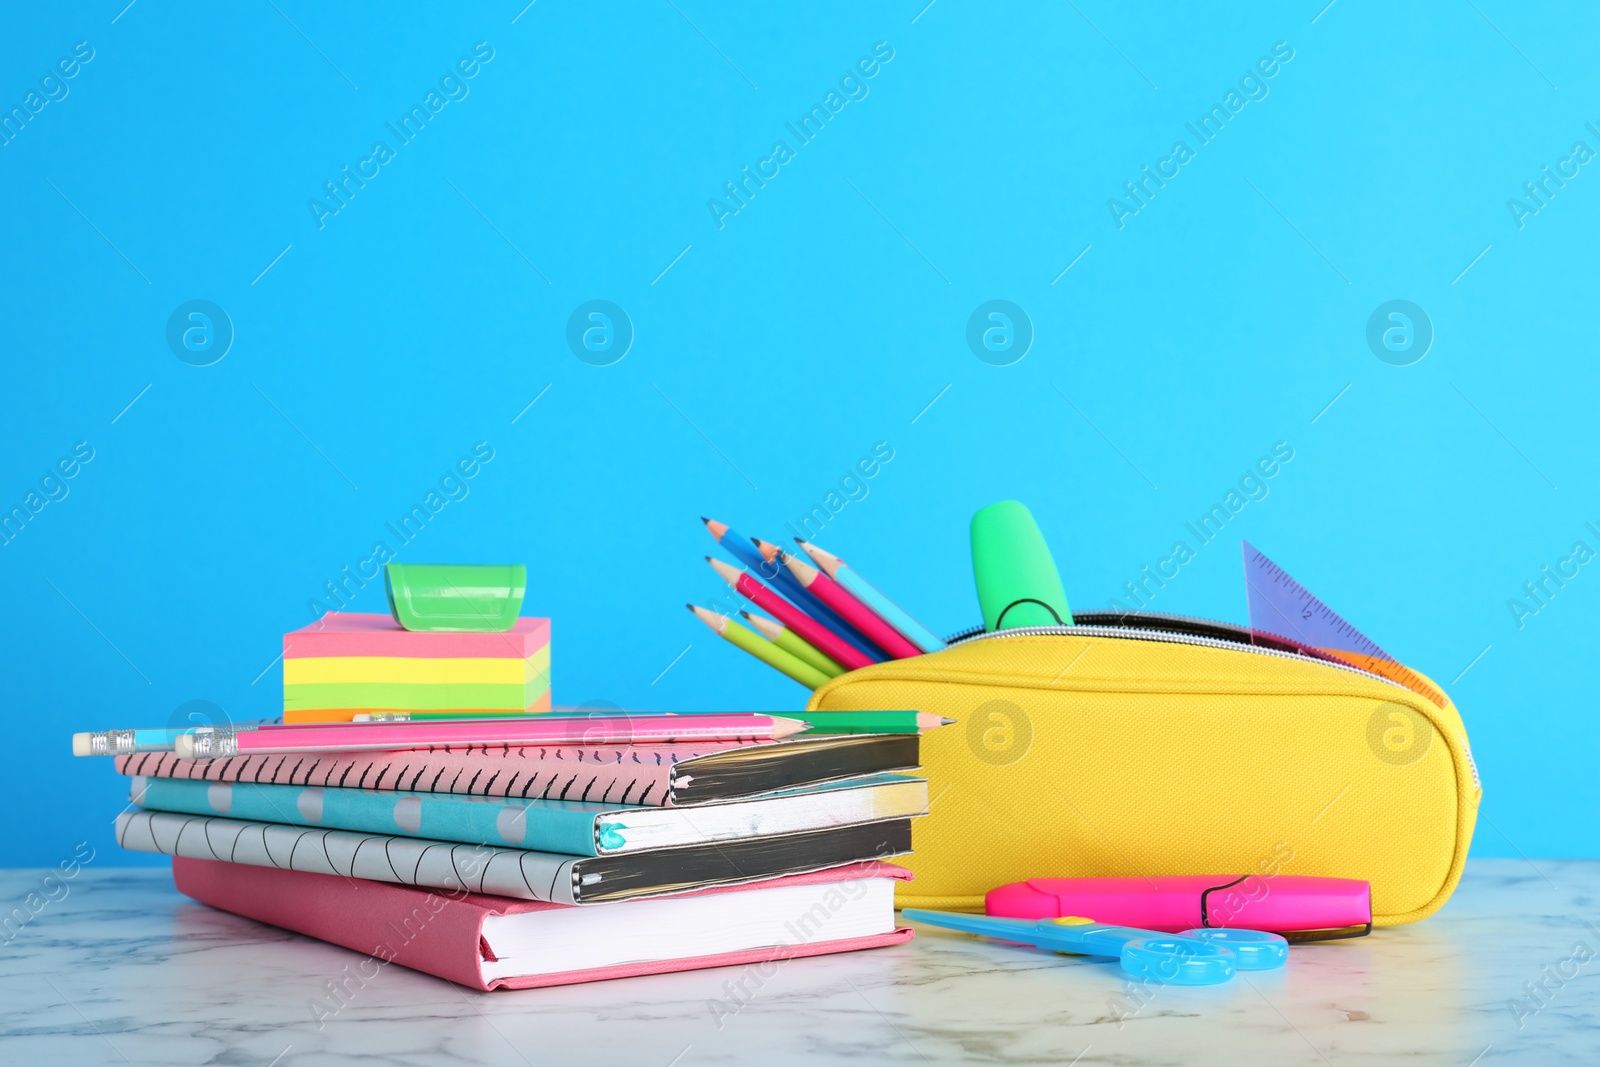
[[111, 743], [215, 743]]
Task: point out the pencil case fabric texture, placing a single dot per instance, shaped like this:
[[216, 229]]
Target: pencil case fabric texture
[[1129, 749]]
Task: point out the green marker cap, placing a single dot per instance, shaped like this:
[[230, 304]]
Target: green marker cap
[[455, 597], [1018, 584]]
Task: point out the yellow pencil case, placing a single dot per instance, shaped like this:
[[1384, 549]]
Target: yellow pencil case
[[1142, 744]]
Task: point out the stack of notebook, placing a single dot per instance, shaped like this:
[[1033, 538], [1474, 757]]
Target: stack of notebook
[[522, 866], [345, 664]]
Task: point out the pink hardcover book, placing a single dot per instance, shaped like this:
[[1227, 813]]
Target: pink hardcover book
[[496, 943], [658, 775]]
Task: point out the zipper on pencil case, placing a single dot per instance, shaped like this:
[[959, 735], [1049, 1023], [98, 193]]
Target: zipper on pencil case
[[1176, 624], [1166, 636], [1174, 633]]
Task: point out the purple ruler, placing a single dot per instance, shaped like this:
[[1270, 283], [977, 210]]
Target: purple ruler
[[1282, 606]]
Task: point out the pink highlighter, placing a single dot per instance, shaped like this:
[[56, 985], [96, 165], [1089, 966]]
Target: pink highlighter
[[1300, 907]]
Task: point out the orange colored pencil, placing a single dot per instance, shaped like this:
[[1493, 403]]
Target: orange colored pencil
[[855, 612]]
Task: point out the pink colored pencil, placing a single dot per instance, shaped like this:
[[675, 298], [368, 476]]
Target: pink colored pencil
[[824, 639], [600, 730], [857, 614]]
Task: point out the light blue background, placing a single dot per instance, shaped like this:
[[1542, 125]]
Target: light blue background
[[824, 317]]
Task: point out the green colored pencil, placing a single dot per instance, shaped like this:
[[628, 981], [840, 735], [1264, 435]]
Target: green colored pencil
[[871, 722], [425, 716], [822, 722], [760, 648], [794, 644]]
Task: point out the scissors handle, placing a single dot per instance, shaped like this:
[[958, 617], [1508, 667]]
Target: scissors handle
[[1177, 960], [1256, 950]]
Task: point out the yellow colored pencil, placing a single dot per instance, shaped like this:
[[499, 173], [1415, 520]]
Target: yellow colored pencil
[[760, 648], [793, 644]]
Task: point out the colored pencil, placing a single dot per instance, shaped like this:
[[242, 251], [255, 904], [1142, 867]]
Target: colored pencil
[[862, 617], [823, 638], [773, 573], [771, 554], [793, 644], [868, 594], [873, 722], [760, 648], [147, 739], [445, 716], [550, 716], [429, 717], [164, 738], [597, 730], [122, 742], [739, 549]]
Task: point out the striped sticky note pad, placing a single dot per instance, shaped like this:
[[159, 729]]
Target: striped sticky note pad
[[340, 633], [347, 663], [306, 715], [345, 670]]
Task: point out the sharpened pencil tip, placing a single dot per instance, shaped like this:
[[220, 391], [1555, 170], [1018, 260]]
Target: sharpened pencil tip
[[799, 540], [705, 520]]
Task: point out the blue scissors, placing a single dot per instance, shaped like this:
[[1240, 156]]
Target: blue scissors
[[1194, 957]]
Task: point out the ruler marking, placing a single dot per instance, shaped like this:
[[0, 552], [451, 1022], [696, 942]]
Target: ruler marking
[[1286, 598]]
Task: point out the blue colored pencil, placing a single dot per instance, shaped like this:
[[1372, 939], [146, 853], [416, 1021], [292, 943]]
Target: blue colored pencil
[[776, 575], [150, 739]]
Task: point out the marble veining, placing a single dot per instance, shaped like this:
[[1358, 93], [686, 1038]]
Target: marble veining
[[124, 970]]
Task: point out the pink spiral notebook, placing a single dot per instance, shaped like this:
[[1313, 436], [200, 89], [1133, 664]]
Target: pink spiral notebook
[[497, 943], [659, 775]]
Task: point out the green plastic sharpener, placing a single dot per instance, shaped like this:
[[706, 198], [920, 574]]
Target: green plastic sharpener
[[1018, 584], [455, 597]]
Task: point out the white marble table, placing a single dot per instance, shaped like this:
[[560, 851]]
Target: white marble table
[[124, 970]]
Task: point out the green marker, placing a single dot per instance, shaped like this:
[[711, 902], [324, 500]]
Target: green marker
[[1018, 584]]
